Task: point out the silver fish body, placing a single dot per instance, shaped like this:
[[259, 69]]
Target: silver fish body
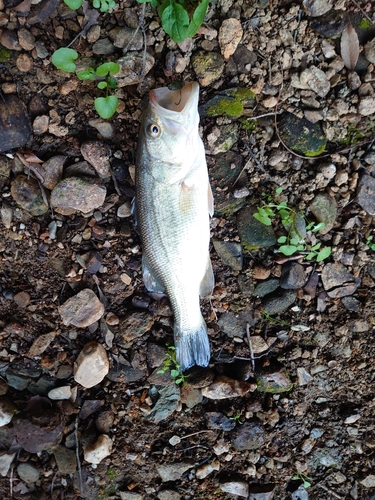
[[173, 205]]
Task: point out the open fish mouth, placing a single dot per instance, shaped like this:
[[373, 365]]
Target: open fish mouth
[[178, 101]]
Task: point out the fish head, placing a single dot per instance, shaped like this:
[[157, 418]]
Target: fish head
[[170, 132]]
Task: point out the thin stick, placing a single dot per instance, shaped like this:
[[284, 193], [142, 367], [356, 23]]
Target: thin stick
[[77, 456], [250, 346], [363, 12], [319, 485], [195, 433], [11, 482]]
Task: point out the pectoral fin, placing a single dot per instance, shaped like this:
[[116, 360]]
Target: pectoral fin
[[150, 280], [210, 201], [208, 281]]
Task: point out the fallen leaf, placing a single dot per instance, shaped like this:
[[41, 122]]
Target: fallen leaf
[[349, 47]]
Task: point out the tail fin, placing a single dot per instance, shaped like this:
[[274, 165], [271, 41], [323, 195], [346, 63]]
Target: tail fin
[[192, 346]]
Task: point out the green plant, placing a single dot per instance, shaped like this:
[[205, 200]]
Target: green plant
[[300, 476], [102, 5], [180, 19], [274, 320], [170, 364], [294, 222], [64, 58], [236, 418], [370, 244]]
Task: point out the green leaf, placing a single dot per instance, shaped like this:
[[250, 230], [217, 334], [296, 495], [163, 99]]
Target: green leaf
[[279, 190], [96, 4], [86, 74], [318, 227], [106, 106], [198, 18], [175, 21], [109, 67], [300, 247], [102, 85], [73, 4], [310, 256], [282, 204], [294, 241], [323, 254], [282, 239], [112, 84], [316, 247], [175, 373], [64, 58], [162, 370], [288, 249], [263, 219], [268, 211]]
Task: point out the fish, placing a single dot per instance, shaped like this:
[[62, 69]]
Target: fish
[[173, 206]]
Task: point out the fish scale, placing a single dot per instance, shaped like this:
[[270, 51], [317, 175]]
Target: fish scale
[[172, 207]]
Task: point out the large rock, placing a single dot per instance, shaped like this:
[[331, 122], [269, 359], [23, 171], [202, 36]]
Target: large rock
[[92, 365], [15, 128], [77, 194], [82, 310]]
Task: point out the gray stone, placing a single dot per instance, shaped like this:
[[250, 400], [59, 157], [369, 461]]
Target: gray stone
[[316, 8], [28, 473], [253, 234], [103, 47], [52, 171], [337, 280], [104, 127], [224, 173], [208, 66], [234, 325], [237, 488], [230, 35], [66, 460], [370, 50], [293, 276], [82, 310], [266, 287], [300, 494], [316, 79], [134, 325], [279, 303], [224, 387], [168, 495], [216, 420], [249, 436], [324, 208], [97, 154], [131, 66], [302, 136], [366, 194], [173, 471], [366, 106], [5, 169], [275, 382], [28, 195], [167, 403], [351, 304], [77, 194], [127, 38], [227, 138]]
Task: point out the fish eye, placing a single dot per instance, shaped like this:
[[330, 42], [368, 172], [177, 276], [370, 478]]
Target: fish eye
[[154, 130]]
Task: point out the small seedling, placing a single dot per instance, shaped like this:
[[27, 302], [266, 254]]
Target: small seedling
[[180, 19], [170, 364], [300, 476], [370, 244], [274, 320], [102, 5], [237, 418], [292, 220], [106, 107]]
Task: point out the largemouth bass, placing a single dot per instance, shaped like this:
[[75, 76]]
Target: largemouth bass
[[173, 206]]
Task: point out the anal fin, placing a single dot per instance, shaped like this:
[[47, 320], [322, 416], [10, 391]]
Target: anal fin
[[208, 281], [150, 280]]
